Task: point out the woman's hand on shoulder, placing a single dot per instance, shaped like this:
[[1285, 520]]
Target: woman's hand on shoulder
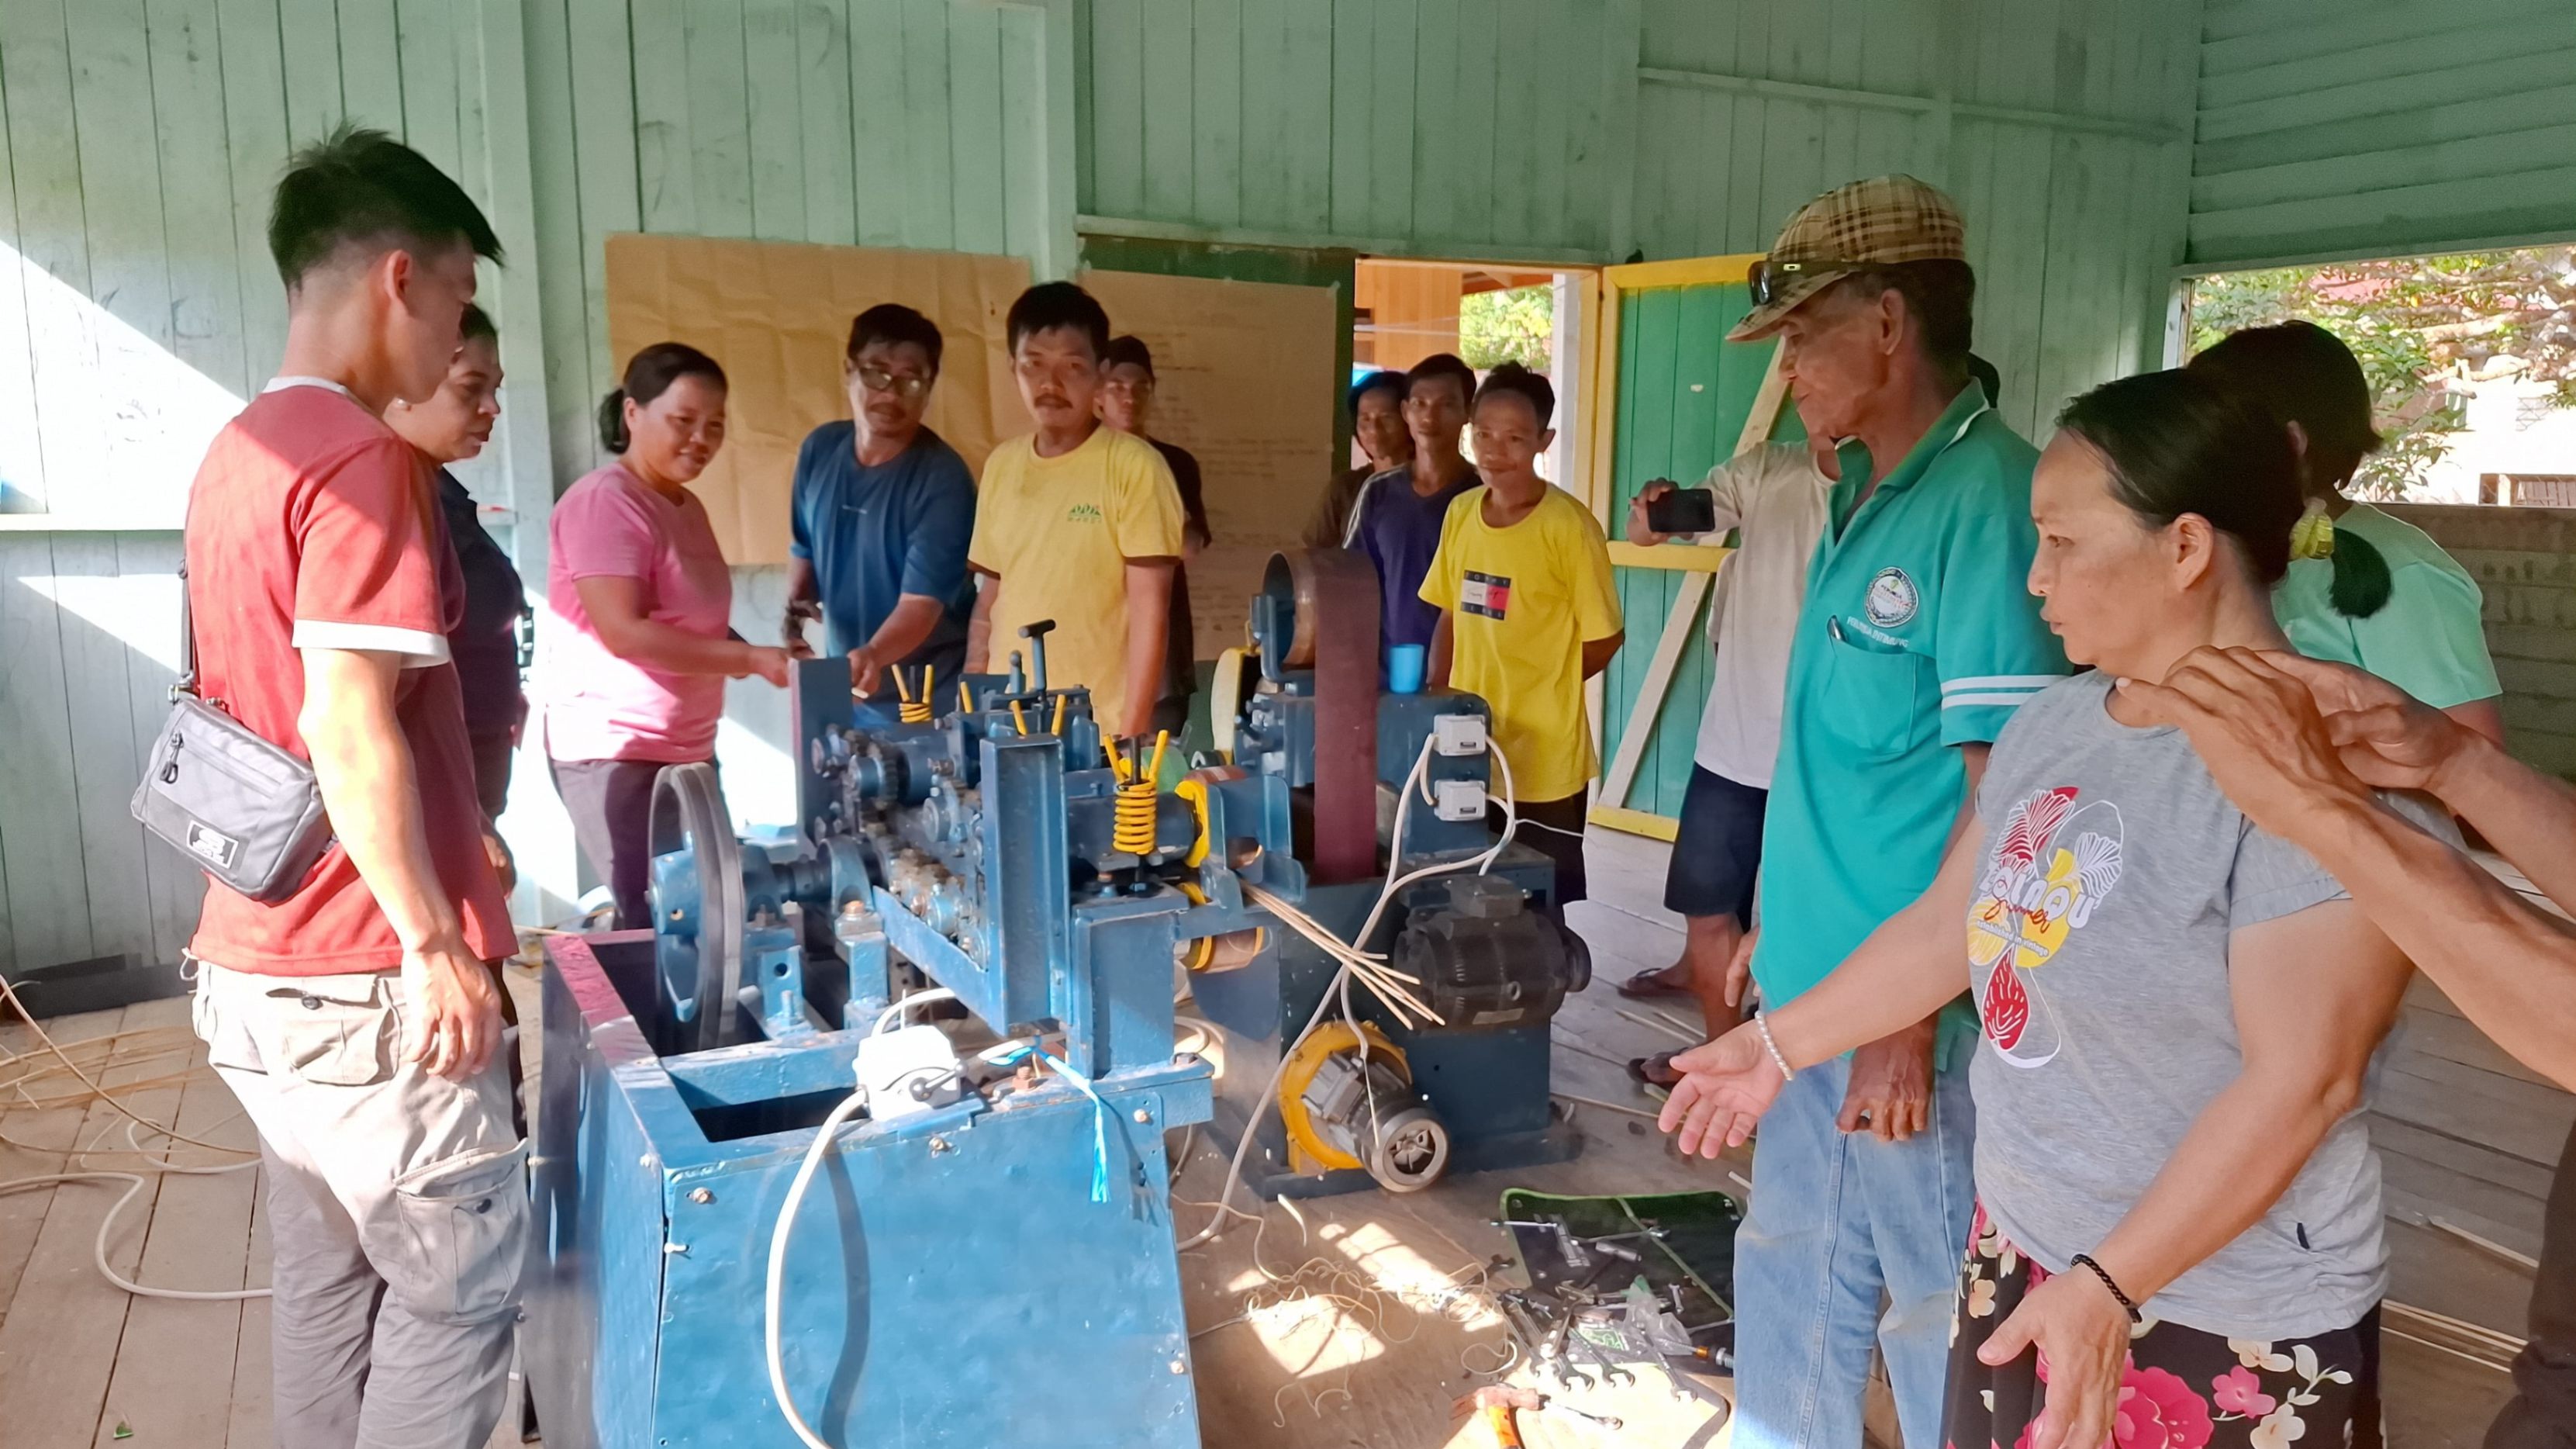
[[1726, 1086], [2388, 738], [2261, 734]]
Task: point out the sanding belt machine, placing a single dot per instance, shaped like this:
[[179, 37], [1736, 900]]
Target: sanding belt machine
[[863, 1143]]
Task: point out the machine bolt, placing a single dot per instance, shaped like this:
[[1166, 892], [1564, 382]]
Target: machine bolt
[[1144, 1114], [939, 1144], [675, 1248], [701, 1196], [1180, 1366]]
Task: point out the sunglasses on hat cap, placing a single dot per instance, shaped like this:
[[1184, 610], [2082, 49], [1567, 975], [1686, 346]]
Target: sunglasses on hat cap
[[1771, 278]]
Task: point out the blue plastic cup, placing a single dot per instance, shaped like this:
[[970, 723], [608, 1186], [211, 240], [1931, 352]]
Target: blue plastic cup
[[1404, 669]]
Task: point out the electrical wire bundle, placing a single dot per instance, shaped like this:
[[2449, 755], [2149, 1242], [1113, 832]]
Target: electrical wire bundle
[[1337, 992]]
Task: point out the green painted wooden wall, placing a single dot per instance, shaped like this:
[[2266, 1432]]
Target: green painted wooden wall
[[2375, 127], [900, 123]]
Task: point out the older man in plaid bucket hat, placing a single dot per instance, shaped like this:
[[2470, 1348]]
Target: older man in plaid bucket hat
[[1915, 642]]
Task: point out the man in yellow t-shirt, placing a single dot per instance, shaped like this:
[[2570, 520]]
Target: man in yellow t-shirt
[[1527, 613], [1075, 522]]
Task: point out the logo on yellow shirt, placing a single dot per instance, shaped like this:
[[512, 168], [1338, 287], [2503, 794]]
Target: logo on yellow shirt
[[1489, 595], [1082, 513]]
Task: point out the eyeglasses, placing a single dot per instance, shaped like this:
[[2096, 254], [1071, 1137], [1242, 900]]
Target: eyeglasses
[[1768, 278], [877, 379]]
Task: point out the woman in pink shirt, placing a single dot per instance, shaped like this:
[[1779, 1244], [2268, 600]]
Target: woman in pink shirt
[[634, 678]]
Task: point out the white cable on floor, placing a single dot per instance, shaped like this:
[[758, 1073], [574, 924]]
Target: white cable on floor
[[814, 1155], [134, 1183]]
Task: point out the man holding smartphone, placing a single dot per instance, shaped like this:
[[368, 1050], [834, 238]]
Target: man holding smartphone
[[1774, 497]]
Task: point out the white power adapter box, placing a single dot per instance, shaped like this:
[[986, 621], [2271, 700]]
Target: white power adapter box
[[1457, 734], [908, 1071], [1459, 800]]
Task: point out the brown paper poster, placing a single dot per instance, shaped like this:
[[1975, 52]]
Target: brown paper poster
[[1244, 380], [777, 315]]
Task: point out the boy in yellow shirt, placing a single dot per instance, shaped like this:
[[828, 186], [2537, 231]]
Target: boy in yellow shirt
[[1075, 522], [1527, 613]]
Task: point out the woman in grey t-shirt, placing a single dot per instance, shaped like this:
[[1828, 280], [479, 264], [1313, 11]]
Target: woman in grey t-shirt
[[2178, 1209]]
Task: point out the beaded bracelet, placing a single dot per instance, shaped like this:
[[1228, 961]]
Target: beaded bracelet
[[2085, 1260], [1762, 1028]]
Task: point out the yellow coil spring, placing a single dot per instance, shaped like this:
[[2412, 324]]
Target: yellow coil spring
[[912, 708], [1134, 832], [1132, 827]]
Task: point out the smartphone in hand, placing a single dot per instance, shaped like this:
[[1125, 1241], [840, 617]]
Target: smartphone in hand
[[1683, 510]]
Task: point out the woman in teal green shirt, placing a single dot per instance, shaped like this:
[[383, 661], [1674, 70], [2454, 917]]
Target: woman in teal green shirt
[[2366, 589]]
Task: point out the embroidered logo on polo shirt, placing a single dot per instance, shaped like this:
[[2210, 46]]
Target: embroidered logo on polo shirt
[[1487, 594], [1083, 513], [1892, 599]]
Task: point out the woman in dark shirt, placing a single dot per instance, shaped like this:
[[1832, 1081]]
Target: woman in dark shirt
[[450, 427]]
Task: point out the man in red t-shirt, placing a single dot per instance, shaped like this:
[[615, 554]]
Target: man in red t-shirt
[[356, 1020]]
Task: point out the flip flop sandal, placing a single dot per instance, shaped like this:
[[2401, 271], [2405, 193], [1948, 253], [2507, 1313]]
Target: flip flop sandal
[[1648, 985], [1654, 1075]]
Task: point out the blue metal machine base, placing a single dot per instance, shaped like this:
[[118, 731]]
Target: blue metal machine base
[[1479, 1082], [952, 1283]]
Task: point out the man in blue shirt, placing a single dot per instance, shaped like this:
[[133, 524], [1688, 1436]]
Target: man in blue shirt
[[1917, 639], [1397, 519], [883, 509]]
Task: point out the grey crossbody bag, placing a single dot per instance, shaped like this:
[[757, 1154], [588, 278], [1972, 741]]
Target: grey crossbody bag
[[244, 810]]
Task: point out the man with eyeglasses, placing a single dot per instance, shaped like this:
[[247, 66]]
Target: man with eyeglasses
[[883, 509]]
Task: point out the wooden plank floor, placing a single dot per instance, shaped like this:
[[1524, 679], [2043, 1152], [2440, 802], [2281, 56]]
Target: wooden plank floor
[[2467, 1136], [81, 1362]]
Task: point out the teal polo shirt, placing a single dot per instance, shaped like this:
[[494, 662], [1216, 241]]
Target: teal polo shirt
[[1919, 634]]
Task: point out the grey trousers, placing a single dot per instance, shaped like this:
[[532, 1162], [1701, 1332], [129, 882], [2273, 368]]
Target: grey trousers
[[397, 1204], [611, 805]]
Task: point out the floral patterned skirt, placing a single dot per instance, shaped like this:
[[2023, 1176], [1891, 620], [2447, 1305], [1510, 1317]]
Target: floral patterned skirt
[[2184, 1389]]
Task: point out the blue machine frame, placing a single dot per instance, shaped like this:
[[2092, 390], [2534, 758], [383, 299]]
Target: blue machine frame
[[996, 1264], [996, 1269]]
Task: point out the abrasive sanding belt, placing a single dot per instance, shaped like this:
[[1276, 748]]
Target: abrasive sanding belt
[[1337, 634]]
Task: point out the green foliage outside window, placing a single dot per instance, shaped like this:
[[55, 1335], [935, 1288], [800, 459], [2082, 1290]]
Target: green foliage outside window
[[2413, 321], [1514, 326]]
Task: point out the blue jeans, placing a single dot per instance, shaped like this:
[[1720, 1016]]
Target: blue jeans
[[1834, 1219]]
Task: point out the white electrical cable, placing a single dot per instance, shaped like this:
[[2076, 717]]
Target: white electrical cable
[[134, 1184], [892, 1014], [1336, 989], [814, 1155]]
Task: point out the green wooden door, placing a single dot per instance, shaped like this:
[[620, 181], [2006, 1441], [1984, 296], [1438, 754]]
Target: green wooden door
[[1680, 399]]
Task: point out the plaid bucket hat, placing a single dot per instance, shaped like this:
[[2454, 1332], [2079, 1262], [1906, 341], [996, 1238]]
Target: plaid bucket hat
[[1878, 222]]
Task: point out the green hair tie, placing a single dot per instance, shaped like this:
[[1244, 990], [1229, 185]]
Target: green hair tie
[[2313, 536]]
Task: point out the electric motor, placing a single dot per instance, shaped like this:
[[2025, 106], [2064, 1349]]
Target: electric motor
[[1485, 959]]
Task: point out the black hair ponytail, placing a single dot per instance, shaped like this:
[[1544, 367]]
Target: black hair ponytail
[[612, 421], [2361, 585], [649, 374]]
